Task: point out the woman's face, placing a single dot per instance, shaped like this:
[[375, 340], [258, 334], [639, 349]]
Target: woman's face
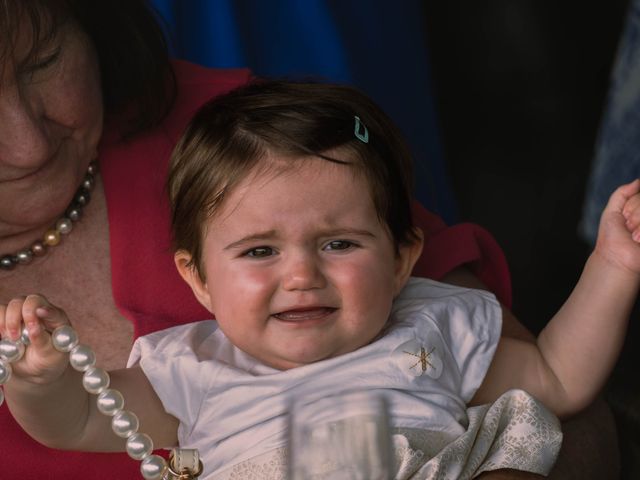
[[50, 125]]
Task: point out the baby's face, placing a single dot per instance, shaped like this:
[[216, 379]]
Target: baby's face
[[298, 266]]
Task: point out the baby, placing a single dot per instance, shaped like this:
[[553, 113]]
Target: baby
[[292, 226]]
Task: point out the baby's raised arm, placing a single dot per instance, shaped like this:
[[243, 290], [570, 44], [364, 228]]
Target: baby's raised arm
[[577, 350], [46, 396]]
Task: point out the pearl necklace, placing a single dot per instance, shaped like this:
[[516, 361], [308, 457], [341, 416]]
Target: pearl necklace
[[63, 226], [110, 402]]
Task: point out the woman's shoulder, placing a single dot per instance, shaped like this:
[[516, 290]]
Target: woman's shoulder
[[195, 85], [188, 73]]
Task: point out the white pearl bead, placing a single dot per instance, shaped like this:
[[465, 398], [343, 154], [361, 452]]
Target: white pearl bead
[[64, 226], [5, 371], [110, 402], [1, 397], [124, 423], [11, 351], [82, 357], [153, 467], [95, 380], [139, 446], [24, 336], [64, 338]]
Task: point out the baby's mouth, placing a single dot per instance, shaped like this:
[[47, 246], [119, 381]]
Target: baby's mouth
[[301, 314]]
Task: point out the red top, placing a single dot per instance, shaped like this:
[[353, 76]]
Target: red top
[[146, 286]]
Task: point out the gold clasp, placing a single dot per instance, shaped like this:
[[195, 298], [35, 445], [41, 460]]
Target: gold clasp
[[174, 472]]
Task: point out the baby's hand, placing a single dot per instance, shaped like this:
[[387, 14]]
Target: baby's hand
[[41, 362], [619, 232]]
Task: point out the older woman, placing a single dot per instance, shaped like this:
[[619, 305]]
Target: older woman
[[90, 107]]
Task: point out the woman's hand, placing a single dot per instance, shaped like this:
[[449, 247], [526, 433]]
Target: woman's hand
[[41, 363]]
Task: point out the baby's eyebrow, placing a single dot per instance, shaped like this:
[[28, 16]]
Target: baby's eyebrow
[[271, 234], [267, 235], [336, 232]]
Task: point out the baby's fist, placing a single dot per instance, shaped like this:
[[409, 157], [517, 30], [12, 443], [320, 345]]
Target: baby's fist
[[631, 214], [41, 363]]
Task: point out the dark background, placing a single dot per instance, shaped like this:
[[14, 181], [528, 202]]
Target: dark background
[[520, 88], [500, 101]]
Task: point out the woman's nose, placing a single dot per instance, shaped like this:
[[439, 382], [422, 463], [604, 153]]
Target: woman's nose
[[24, 142], [303, 272]]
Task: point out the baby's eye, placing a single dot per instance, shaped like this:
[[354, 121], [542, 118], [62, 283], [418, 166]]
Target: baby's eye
[[259, 252], [339, 245]]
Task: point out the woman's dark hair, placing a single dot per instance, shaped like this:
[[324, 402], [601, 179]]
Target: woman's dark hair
[[137, 79], [230, 136]]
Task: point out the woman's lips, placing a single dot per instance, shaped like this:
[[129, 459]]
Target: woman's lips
[[304, 314]]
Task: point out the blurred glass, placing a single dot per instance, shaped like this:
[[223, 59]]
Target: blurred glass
[[342, 437]]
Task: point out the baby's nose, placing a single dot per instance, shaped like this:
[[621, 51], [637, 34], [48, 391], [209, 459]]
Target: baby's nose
[[303, 272]]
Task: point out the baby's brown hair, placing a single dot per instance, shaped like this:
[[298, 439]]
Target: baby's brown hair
[[232, 134]]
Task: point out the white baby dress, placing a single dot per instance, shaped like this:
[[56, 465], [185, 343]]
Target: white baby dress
[[428, 363]]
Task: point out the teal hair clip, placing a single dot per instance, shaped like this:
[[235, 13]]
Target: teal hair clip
[[360, 131]]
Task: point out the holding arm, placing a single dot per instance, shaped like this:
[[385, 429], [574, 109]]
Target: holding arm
[[46, 396], [576, 352]]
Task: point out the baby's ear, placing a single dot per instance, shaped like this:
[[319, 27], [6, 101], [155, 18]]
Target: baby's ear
[[189, 273], [408, 254]]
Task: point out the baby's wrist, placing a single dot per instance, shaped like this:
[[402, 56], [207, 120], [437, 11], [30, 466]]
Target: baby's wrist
[[39, 385], [611, 269]]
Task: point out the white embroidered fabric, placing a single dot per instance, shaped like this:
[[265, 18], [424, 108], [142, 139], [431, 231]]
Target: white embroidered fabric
[[514, 432]]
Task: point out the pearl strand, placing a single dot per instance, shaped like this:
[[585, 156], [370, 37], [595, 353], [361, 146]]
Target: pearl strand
[[95, 380], [63, 226]]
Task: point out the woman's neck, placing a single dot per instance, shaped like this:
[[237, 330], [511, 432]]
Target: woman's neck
[[17, 238], [21, 246]]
